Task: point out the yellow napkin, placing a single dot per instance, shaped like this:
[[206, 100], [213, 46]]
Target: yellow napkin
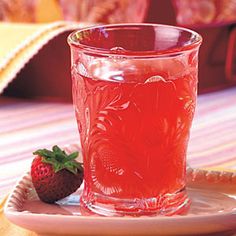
[[20, 42]]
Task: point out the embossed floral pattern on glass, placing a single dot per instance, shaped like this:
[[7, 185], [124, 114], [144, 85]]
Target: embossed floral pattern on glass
[[134, 116]]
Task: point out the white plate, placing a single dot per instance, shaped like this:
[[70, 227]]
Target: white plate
[[213, 211]]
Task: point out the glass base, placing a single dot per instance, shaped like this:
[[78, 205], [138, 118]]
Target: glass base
[[168, 204]]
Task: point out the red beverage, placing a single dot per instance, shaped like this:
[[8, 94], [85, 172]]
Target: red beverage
[[134, 118]]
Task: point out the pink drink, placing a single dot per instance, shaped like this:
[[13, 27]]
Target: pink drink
[[134, 118]]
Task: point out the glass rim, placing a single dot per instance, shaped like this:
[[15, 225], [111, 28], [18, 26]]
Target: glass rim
[[102, 52]]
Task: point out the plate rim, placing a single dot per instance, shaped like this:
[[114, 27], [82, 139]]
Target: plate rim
[[10, 211]]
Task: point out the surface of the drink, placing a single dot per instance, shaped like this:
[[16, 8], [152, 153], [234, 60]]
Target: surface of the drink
[[134, 135]]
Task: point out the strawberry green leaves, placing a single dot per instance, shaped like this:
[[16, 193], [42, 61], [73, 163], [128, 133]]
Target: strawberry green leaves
[[60, 160]]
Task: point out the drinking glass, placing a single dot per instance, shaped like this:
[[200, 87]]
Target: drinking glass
[[134, 93]]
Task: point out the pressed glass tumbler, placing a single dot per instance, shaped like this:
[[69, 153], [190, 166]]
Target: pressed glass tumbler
[[134, 93]]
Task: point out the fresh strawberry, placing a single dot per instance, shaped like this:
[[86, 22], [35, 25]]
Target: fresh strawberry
[[55, 174]]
